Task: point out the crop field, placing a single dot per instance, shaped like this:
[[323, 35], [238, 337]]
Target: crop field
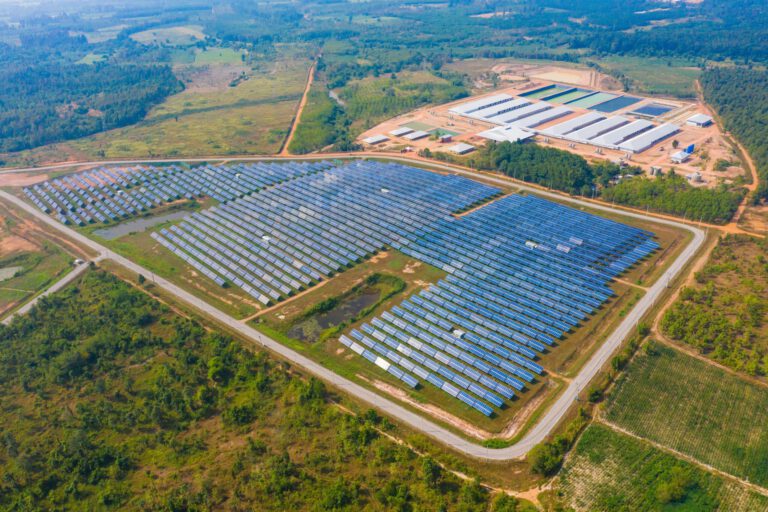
[[697, 409], [609, 471]]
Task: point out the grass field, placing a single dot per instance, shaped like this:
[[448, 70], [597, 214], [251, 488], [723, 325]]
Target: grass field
[[39, 268], [170, 36], [251, 118], [218, 56], [697, 409], [650, 75], [32, 260], [611, 472]]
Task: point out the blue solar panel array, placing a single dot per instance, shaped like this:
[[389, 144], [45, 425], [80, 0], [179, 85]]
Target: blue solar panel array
[[522, 272], [288, 237], [111, 194]]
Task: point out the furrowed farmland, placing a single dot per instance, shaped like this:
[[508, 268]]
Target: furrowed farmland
[[697, 409], [609, 471]]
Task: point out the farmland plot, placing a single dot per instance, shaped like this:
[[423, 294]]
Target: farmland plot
[[609, 471], [697, 409]]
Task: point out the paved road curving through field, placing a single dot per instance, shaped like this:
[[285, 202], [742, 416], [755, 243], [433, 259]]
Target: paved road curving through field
[[535, 435]]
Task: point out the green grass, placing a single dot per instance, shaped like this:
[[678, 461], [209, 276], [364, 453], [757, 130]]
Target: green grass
[[652, 75], [697, 409], [172, 36], [611, 472], [91, 58], [39, 270], [218, 56]]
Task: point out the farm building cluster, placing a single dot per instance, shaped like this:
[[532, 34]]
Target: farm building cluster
[[596, 124]]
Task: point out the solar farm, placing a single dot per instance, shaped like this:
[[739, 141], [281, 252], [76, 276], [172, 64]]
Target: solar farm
[[521, 273]]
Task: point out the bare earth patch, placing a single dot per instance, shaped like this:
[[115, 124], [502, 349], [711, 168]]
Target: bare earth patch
[[21, 179], [13, 244], [436, 412]]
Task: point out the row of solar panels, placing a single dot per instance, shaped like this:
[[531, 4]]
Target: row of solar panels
[[504, 301], [113, 194], [286, 238]]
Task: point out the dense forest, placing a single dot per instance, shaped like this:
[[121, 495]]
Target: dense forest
[[740, 97], [40, 104], [673, 194], [724, 315], [111, 401]]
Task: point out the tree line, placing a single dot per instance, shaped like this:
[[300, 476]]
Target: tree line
[[571, 173], [740, 97]]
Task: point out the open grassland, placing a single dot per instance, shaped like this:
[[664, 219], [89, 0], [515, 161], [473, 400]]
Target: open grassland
[[724, 315], [29, 261], [654, 75], [218, 56], [252, 117], [170, 36], [256, 129], [137, 408], [612, 472], [695, 408]]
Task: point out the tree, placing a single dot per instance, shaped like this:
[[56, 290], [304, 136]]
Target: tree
[[545, 459], [431, 472]]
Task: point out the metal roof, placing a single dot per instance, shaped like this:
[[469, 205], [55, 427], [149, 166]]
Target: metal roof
[[595, 130], [376, 139], [399, 132], [520, 113], [571, 125], [420, 134], [471, 106], [543, 117], [699, 119], [506, 133], [649, 138], [461, 148], [495, 110], [616, 137]]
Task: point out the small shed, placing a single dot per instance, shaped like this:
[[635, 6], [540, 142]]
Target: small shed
[[700, 120], [375, 139], [461, 148]]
